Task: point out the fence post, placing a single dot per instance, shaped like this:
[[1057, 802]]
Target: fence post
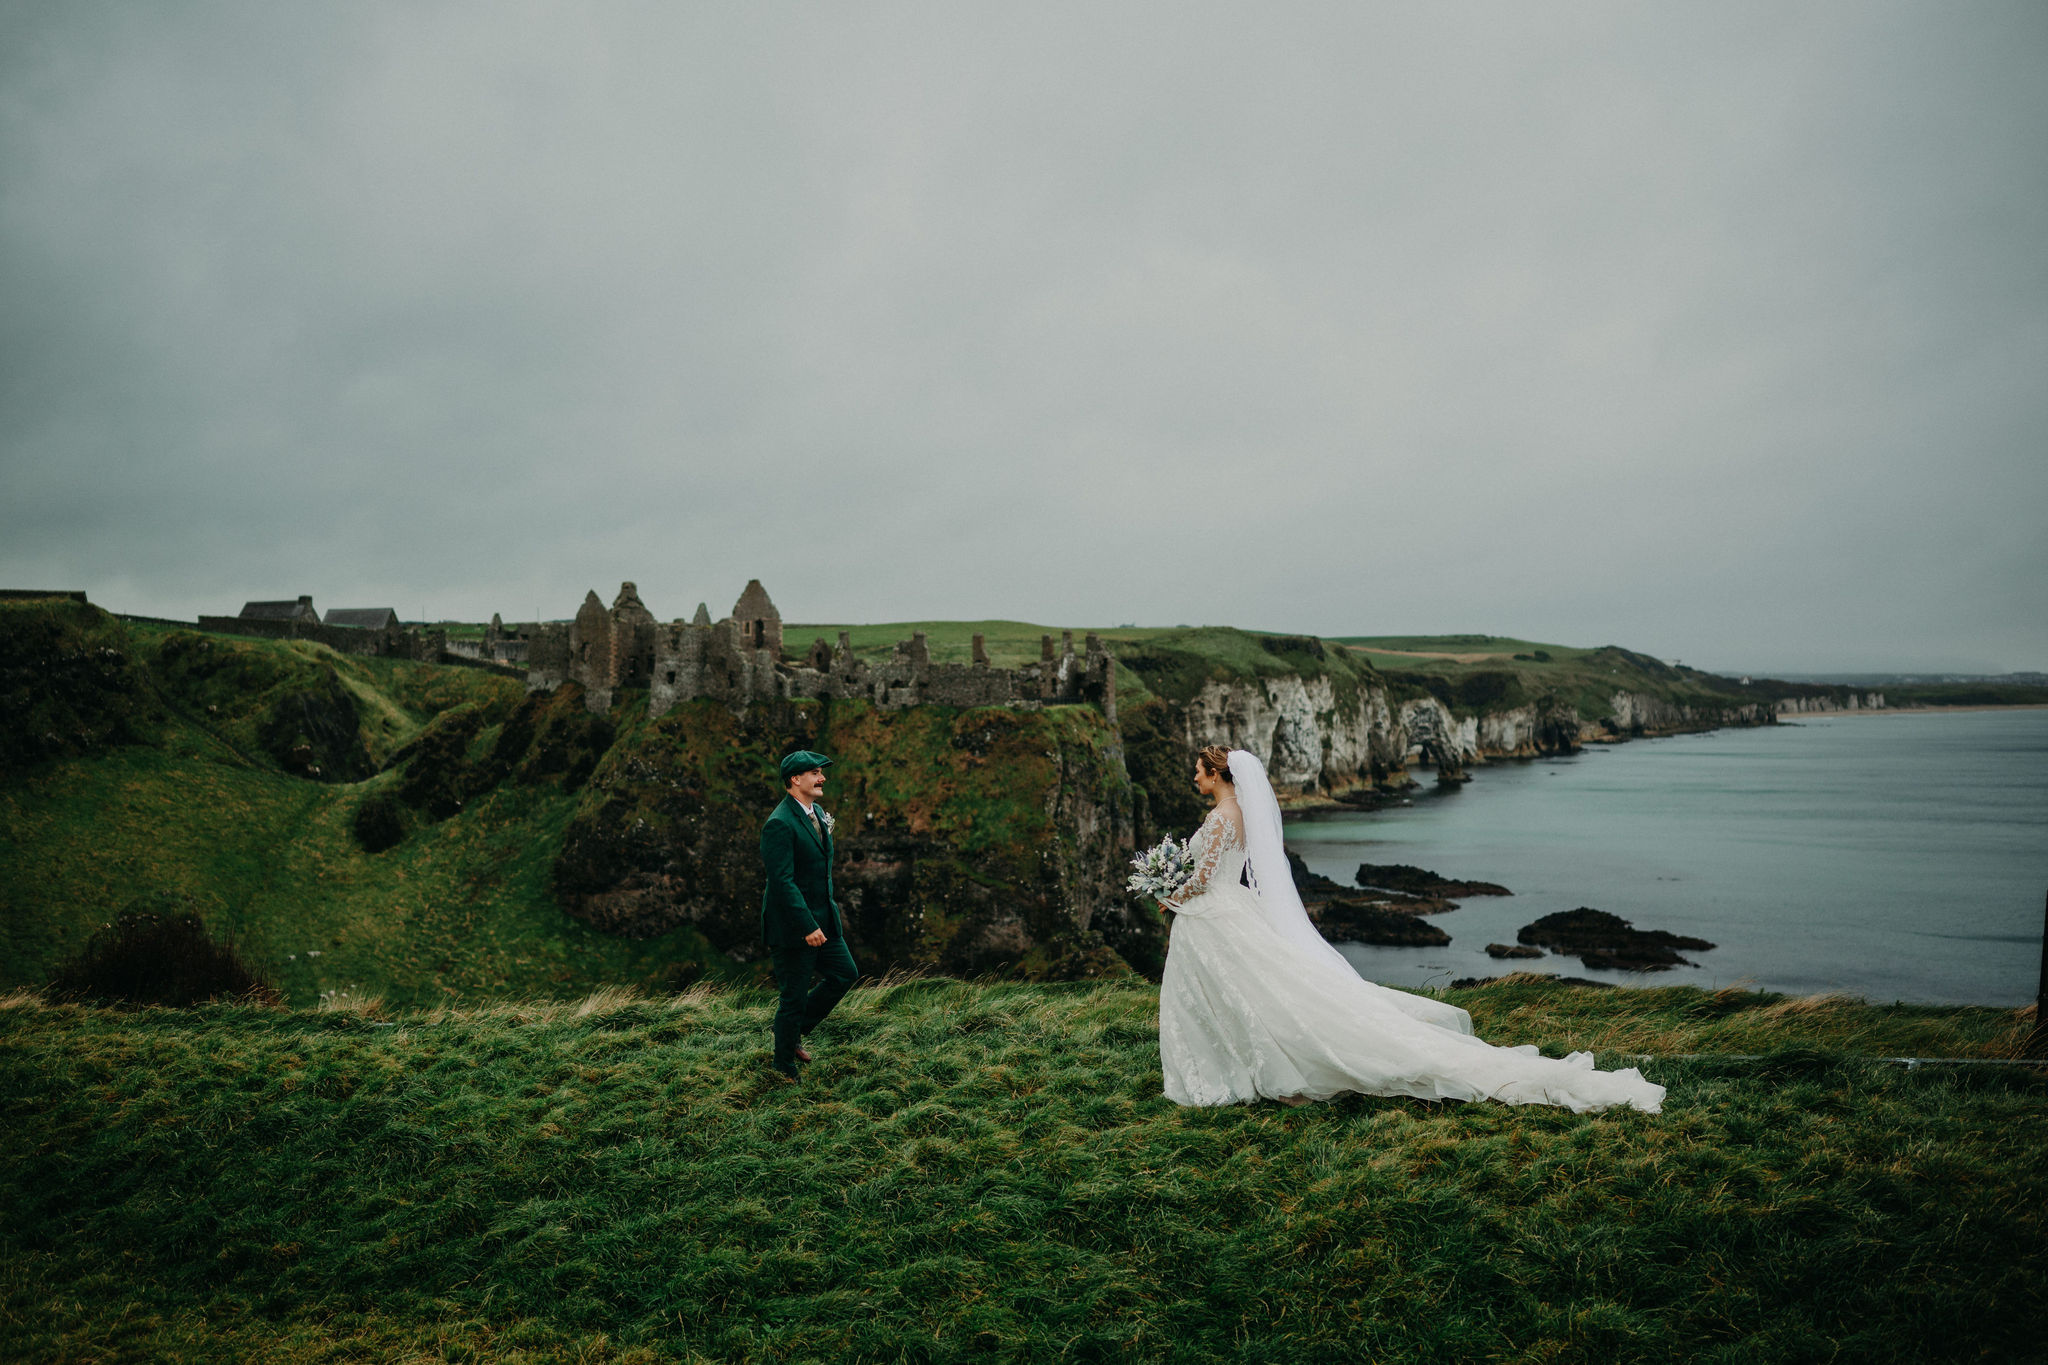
[[2037, 1041]]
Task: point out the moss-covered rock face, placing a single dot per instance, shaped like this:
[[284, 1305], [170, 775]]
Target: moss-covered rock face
[[1161, 762], [69, 684], [262, 699], [971, 841], [471, 748], [552, 737], [435, 774], [314, 731]]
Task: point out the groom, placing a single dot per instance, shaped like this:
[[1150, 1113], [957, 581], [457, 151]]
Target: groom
[[799, 918]]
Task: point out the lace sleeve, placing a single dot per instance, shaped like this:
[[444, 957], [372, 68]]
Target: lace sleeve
[[1207, 843]]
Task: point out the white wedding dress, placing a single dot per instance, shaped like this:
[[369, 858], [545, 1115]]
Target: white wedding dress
[[1249, 1007]]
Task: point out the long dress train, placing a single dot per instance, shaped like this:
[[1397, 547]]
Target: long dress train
[[1245, 1013]]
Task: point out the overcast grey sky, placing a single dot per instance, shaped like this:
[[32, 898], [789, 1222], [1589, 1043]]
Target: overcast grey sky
[[1719, 331]]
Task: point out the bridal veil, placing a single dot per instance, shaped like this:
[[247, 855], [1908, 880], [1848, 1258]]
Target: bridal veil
[[1273, 881]]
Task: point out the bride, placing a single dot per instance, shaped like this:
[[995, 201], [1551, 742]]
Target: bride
[[1254, 1003]]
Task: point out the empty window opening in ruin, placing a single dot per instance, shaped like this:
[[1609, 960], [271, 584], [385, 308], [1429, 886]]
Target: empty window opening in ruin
[[671, 677]]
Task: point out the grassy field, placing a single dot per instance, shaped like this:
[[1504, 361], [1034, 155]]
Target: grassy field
[[1426, 651], [989, 1172]]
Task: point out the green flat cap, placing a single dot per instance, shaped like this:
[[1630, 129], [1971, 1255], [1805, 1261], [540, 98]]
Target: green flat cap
[[803, 760]]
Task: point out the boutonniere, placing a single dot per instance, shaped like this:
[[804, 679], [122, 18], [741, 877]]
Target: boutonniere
[[825, 816]]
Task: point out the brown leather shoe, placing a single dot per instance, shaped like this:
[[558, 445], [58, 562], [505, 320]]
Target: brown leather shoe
[[803, 1054]]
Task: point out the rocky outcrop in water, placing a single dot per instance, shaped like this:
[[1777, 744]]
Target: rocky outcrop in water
[[1416, 881], [1357, 921], [1343, 914], [1599, 939]]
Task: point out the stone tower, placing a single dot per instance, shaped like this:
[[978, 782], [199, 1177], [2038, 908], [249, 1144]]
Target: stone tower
[[590, 642], [760, 624], [632, 638]]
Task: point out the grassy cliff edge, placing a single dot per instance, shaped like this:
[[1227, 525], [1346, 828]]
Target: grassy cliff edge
[[988, 1171]]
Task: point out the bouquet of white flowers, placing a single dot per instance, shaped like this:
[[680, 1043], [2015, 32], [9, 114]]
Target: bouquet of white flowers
[[1162, 873]]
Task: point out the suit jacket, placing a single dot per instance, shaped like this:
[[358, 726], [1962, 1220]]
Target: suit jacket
[[798, 897]]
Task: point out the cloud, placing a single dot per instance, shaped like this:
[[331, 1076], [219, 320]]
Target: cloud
[[1717, 333]]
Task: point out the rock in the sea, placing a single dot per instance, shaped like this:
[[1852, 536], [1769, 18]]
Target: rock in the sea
[[1599, 939], [1312, 885], [1416, 881], [1365, 922], [1385, 918], [1512, 950]]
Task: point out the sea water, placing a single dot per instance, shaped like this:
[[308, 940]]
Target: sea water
[[1894, 857]]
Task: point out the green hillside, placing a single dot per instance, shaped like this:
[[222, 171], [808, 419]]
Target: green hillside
[[1475, 673], [989, 1172], [202, 800], [427, 833]]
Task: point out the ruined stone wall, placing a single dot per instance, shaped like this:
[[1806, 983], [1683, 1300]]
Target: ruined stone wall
[[739, 661], [690, 661], [968, 685], [547, 657]]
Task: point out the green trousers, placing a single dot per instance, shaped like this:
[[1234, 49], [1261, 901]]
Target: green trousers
[[811, 981]]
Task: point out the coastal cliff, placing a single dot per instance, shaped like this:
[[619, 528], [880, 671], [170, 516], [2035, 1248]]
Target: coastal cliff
[[1830, 701], [427, 832], [971, 841], [1329, 723]]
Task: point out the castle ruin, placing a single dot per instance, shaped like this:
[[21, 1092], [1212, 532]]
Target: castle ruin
[[740, 659]]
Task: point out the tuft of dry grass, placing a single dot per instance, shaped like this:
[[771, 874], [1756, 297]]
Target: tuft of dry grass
[[1805, 1006], [703, 993], [350, 1000], [605, 1000]]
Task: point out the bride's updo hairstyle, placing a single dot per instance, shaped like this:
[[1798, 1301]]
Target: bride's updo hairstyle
[[1216, 759]]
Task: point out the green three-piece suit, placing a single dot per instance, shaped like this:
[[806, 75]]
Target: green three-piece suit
[[796, 852]]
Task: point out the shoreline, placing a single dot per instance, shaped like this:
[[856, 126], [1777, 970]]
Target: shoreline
[[1735, 870], [1797, 717], [1313, 803]]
